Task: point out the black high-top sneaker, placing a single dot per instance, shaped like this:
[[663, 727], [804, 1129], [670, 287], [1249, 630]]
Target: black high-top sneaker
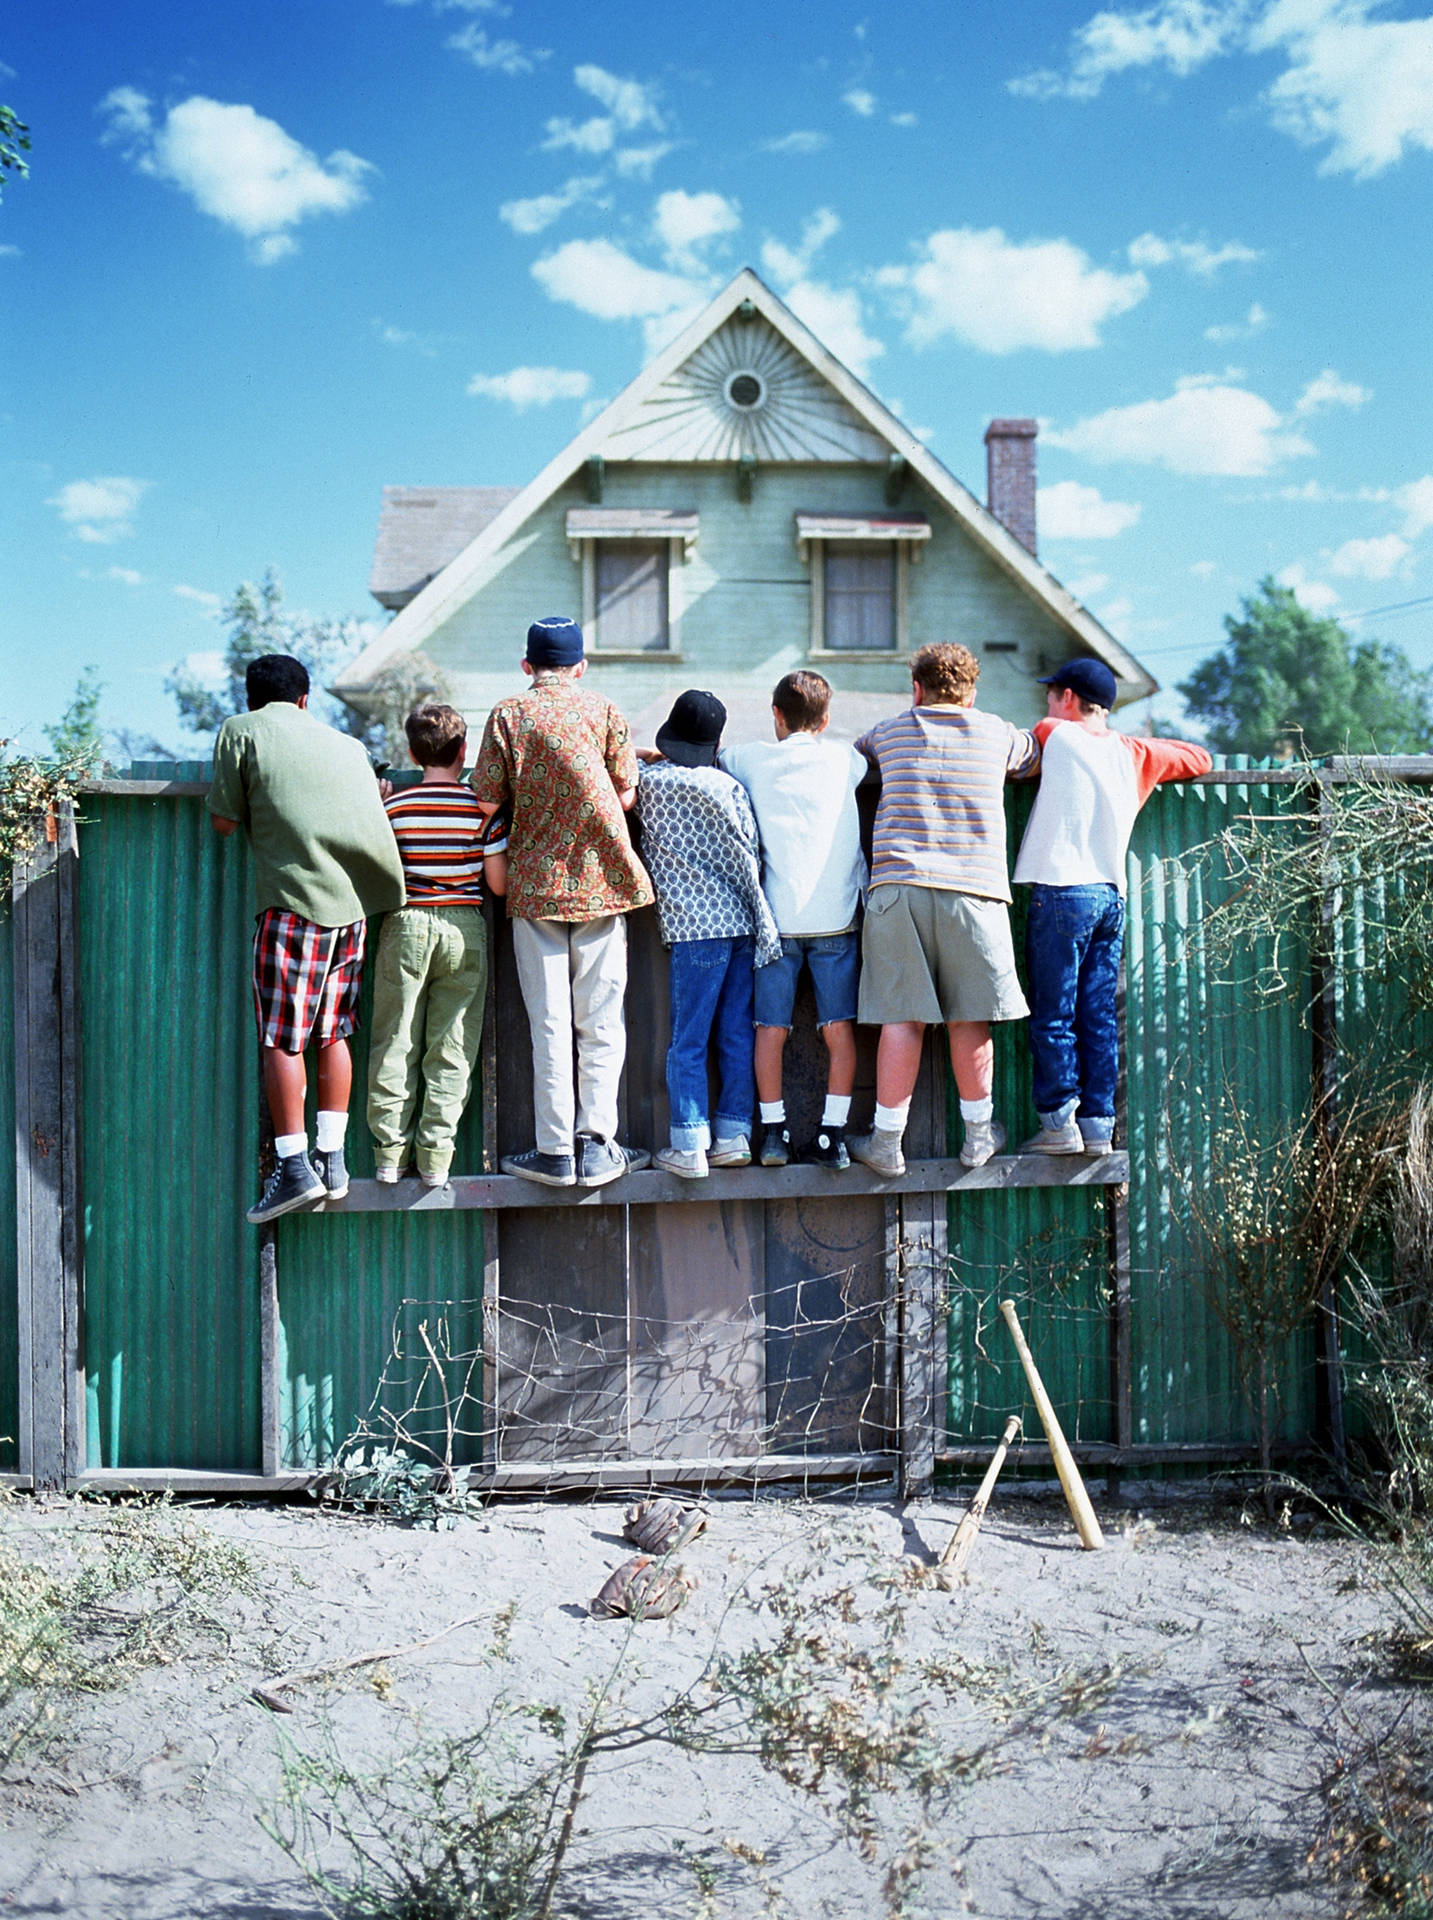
[[292, 1184]]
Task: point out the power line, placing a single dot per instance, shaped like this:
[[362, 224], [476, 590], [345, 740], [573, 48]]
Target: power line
[[1344, 619]]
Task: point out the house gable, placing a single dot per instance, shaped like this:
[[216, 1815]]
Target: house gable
[[745, 385]]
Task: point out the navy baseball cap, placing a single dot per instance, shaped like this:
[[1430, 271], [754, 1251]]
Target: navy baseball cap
[[1090, 679], [554, 641]]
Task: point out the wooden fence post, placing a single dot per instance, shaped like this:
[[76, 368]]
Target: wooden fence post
[[47, 1172], [923, 1264]]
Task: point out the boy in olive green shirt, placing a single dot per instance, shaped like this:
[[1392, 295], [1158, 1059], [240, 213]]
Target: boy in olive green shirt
[[324, 859]]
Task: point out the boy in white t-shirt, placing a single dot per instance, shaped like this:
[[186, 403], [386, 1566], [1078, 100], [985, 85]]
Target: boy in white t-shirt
[[1093, 782], [803, 792]]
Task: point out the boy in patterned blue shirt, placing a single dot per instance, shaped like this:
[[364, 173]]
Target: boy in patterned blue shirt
[[701, 848]]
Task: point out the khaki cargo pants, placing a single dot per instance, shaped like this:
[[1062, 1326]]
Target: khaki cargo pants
[[429, 985]]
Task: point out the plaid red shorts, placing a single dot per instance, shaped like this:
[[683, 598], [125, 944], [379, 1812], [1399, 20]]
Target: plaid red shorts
[[306, 980]]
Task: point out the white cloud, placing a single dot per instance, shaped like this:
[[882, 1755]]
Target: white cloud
[[236, 166], [495, 56], [1000, 295], [1115, 612], [1415, 503], [1203, 427], [9, 252], [599, 278], [1089, 585], [834, 316], [1069, 511], [125, 576], [526, 387], [1316, 595], [1375, 559], [590, 136], [860, 102], [1178, 35], [636, 163], [405, 337], [1253, 322], [1361, 87], [786, 264], [206, 665], [1195, 255], [631, 103], [100, 511], [1204, 569], [803, 140], [685, 223], [1328, 390], [904, 120], [532, 216]]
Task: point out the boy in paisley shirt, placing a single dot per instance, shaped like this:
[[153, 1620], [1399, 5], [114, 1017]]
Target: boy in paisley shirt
[[562, 760]]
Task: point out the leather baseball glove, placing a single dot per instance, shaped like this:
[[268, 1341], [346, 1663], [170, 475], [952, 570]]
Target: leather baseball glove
[[642, 1589], [661, 1526]]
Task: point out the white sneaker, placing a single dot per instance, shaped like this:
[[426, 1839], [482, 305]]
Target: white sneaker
[[733, 1152], [983, 1139], [686, 1166], [1066, 1139]]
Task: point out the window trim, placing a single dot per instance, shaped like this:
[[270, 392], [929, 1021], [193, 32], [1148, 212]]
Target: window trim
[[591, 625], [816, 646]]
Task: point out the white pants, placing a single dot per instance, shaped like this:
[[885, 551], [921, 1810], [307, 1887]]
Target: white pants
[[573, 975]]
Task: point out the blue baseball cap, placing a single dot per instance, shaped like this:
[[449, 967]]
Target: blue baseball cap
[[554, 641], [1090, 679]]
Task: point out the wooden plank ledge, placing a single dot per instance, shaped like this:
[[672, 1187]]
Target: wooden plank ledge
[[497, 1191]]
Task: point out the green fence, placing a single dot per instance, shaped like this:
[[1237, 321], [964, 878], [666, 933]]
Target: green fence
[[1132, 1348]]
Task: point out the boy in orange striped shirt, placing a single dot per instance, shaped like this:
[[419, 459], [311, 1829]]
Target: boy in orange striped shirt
[[432, 970]]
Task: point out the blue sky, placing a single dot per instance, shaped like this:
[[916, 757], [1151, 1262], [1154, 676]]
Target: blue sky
[[274, 256]]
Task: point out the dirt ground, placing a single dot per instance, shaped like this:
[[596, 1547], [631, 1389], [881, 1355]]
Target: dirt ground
[[1190, 1787]]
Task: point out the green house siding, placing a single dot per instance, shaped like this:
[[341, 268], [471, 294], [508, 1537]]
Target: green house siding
[[745, 593]]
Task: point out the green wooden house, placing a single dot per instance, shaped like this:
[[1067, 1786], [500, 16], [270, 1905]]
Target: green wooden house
[[745, 507]]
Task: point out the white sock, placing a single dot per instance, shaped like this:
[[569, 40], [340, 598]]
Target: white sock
[[331, 1129], [286, 1145], [773, 1112], [837, 1110], [977, 1113], [892, 1119]]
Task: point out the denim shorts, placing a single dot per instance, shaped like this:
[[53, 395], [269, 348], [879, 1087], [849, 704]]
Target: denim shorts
[[835, 963]]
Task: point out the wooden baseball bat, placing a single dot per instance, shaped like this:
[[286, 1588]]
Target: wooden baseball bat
[[1081, 1512], [957, 1552]]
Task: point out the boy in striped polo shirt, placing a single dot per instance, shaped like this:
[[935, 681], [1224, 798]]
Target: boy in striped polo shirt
[[936, 944], [432, 969]]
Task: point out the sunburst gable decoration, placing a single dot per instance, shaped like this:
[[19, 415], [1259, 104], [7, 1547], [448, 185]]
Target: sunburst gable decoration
[[745, 391]]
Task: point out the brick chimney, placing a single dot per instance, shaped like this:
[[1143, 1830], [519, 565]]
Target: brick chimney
[[1010, 476]]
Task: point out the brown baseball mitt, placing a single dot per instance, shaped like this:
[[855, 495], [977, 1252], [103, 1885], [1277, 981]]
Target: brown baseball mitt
[[642, 1589], [661, 1526]]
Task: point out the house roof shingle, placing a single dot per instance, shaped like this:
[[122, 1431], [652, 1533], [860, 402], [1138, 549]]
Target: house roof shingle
[[421, 529]]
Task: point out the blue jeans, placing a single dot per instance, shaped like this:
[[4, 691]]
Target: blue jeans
[[835, 963], [711, 992], [1074, 943]]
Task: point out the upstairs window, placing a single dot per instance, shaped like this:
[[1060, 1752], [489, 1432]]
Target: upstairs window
[[859, 579], [860, 593], [631, 597], [631, 560]]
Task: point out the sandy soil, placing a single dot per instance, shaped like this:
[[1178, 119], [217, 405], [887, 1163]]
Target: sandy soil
[[1191, 1788]]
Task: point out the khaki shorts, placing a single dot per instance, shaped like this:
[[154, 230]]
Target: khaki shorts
[[932, 955]]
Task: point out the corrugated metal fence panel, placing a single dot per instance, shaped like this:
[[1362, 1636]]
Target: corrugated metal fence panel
[[345, 1283], [1046, 1248], [170, 1118], [1200, 1040], [9, 1277]]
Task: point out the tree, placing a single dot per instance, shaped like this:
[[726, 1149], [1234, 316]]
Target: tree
[[257, 624], [14, 145], [76, 739], [1289, 683]]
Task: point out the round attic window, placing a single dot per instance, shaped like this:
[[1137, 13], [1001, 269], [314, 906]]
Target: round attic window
[[745, 391]]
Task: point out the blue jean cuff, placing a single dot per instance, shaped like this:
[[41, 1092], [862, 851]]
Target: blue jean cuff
[[1061, 1117], [725, 1128], [691, 1139], [1095, 1126]]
